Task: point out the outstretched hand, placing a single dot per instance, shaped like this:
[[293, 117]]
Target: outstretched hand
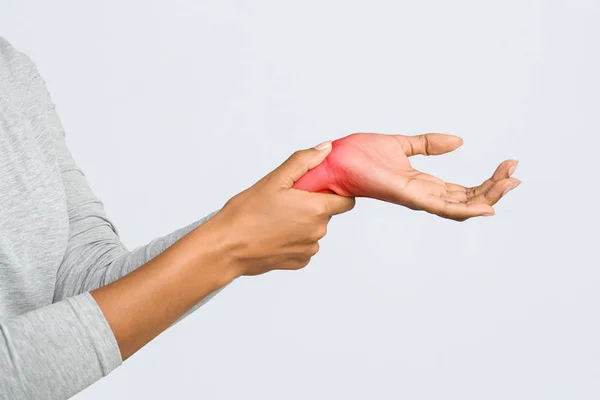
[[377, 166]]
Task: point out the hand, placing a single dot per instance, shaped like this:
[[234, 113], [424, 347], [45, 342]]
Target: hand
[[272, 226], [377, 166]]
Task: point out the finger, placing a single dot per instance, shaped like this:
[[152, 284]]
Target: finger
[[333, 204], [497, 191], [430, 144], [456, 211], [429, 178], [300, 162], [295, 264], [458, 195], [450, 199], [504, 171], [449, 191], [455, 188]]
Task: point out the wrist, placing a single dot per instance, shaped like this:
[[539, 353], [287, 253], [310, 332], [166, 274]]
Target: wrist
[[214, 246]]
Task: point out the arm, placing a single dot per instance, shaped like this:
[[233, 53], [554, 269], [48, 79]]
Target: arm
[[268, 226], [95, 255], [56, 351]]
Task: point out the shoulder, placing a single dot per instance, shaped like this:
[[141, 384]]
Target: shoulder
[[13, 61], [20, 81], [17, 67], [5, 47]]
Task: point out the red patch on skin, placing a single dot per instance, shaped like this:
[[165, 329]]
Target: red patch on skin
[[342, 172]]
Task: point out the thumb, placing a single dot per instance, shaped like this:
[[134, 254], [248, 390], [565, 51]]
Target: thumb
[[430, 144], [300, 162]]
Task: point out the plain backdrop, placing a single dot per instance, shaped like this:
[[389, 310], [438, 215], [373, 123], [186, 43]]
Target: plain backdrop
[[171, 107]]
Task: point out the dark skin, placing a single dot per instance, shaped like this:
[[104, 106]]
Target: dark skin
[[278, 222], [267, 226]]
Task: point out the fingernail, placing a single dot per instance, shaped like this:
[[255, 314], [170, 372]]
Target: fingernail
[[324, 145], [512, 169], [511, 187]]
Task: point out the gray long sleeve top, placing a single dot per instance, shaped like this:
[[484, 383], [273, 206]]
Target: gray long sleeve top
[[56, 245]]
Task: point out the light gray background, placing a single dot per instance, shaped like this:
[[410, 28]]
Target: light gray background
[[202, 98]]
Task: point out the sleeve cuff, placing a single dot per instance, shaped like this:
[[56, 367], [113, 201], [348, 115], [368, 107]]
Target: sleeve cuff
[[101, 335]]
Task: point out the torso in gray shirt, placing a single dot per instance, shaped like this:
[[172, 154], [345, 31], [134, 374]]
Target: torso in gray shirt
[[34, 224]]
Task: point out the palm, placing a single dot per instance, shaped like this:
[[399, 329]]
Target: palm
[[377, 166]]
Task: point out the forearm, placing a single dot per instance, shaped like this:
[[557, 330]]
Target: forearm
[[56, 351], [97, 257], [147, 301]]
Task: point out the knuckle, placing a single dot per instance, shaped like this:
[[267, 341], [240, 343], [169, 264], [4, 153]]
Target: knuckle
[[351, 203], [458, 218], [319, 208], [297, 155], [321, 231], [302, 263], [314, 249], [345, 204], [425, 143]]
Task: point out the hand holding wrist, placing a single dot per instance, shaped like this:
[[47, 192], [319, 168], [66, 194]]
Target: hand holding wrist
[[272, 226]]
